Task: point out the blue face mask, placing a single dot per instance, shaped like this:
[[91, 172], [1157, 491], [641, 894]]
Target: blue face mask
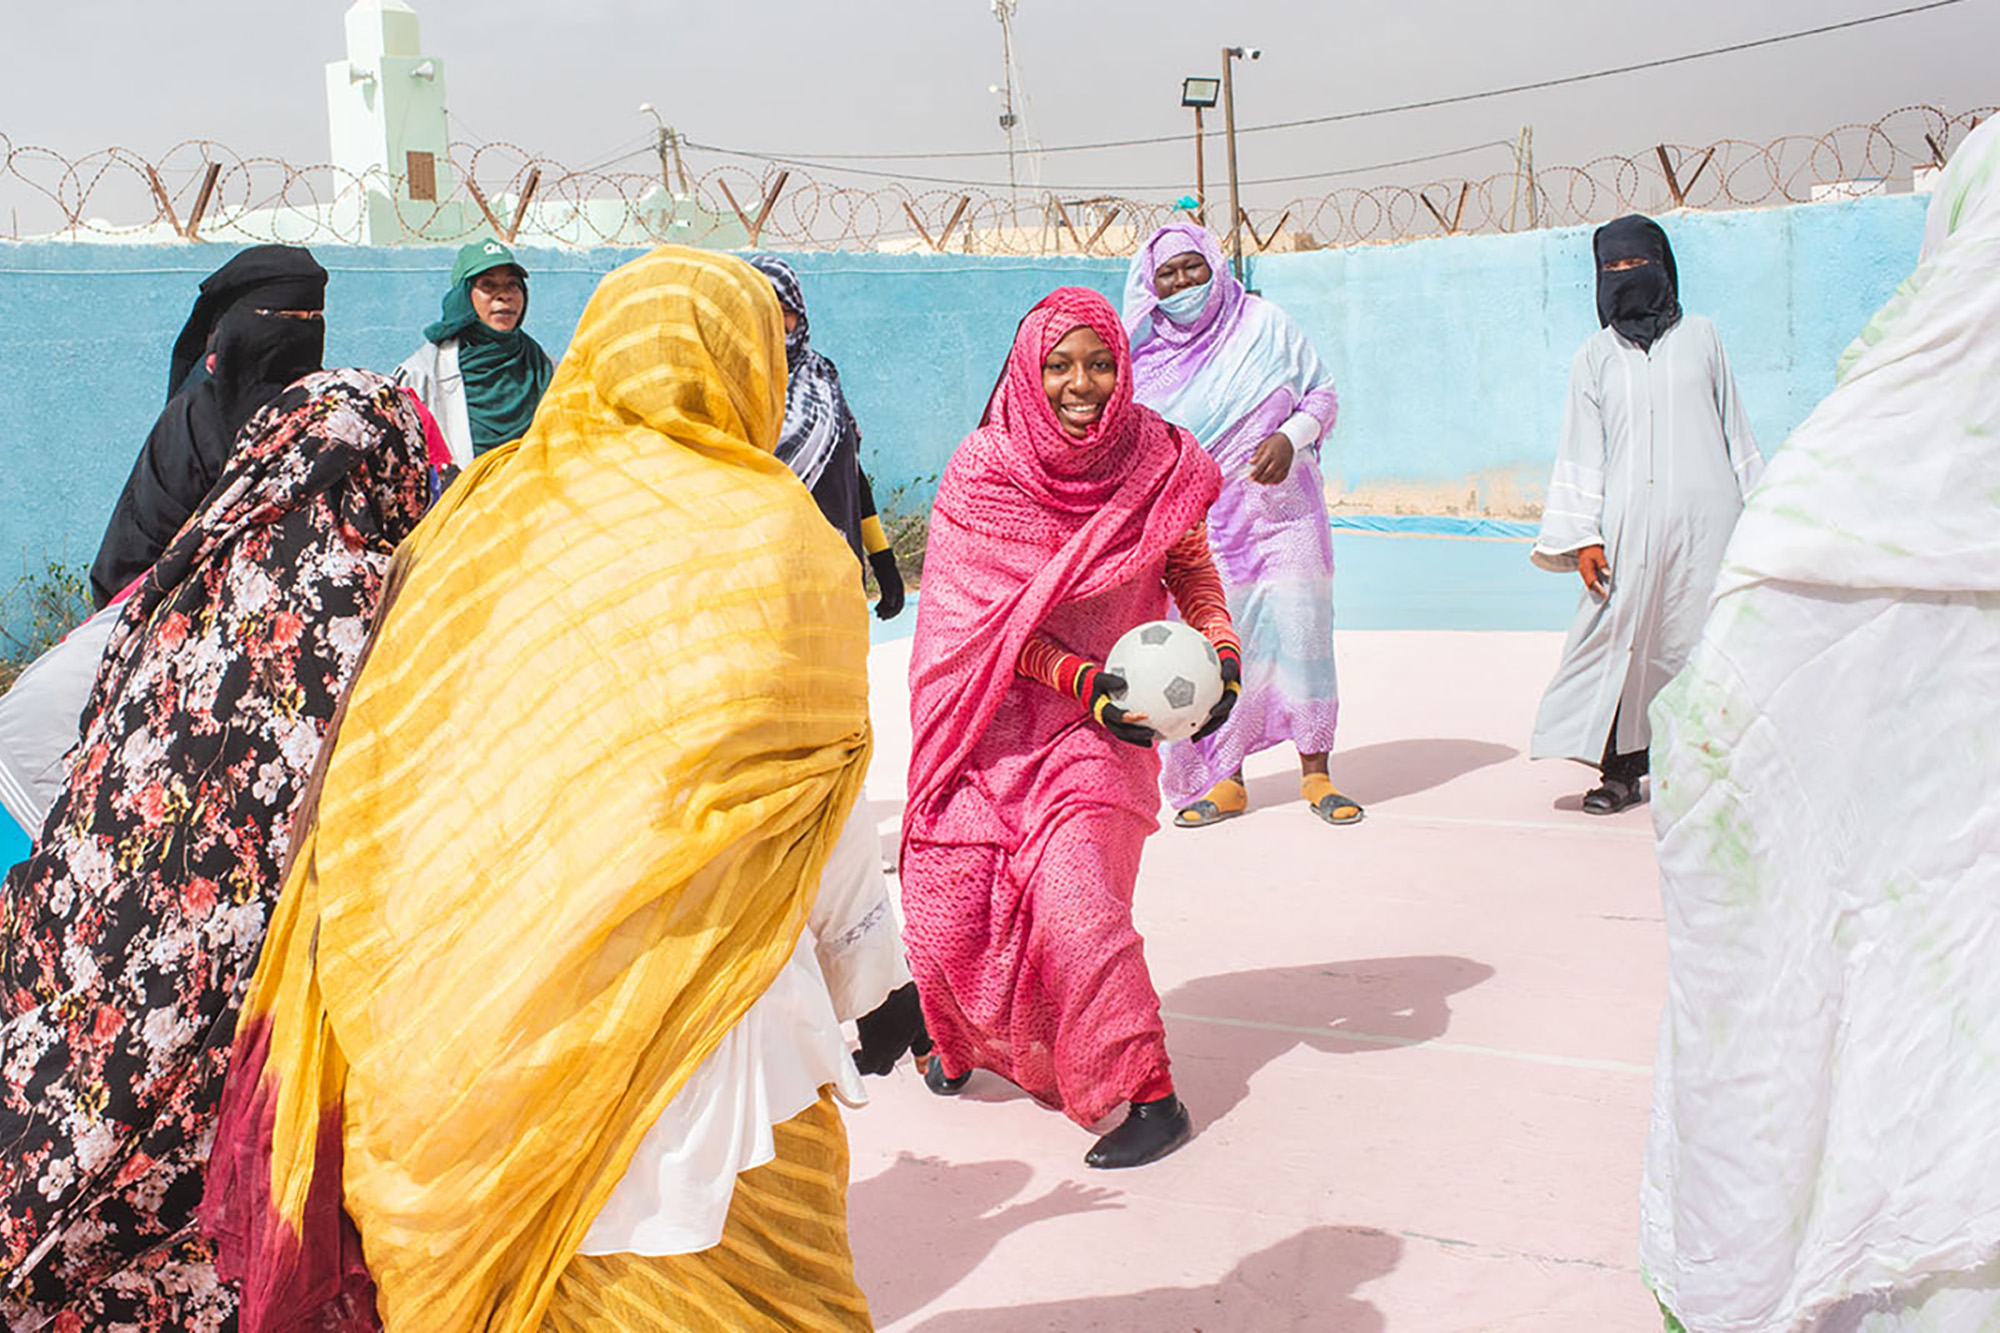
[[1185, 306]]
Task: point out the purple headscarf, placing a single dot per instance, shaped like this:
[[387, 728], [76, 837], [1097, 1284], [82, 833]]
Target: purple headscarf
[[1165, 355], [1210, 373]]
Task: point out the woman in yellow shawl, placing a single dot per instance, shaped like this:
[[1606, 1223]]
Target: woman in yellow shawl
[[563, 863]]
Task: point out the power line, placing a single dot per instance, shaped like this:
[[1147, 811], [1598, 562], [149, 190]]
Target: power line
[[624, 156], [1376, 166], [480, 141], [1661, 63], [1427, 104], [647, 151], [806, 164], [471, 133]]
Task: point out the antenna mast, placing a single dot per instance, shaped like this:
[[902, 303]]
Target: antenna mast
[[1004, 11]]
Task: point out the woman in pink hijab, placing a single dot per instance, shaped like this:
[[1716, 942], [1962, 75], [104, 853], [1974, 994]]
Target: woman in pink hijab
[[1063, 521]]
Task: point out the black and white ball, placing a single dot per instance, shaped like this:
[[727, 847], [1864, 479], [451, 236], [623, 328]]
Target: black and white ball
[[1171, 674]]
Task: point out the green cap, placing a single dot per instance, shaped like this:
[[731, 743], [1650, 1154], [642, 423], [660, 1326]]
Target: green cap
[[475, 257]]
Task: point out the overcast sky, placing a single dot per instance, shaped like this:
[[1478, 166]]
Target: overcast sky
[[808, 77]]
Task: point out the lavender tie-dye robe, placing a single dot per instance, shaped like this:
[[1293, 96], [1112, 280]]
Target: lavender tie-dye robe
[[1234, 375]]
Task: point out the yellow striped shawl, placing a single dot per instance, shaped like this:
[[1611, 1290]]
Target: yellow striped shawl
[[577, 808]]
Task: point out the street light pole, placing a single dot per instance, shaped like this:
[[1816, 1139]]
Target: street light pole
[[1200, 173], [1229, 127], [1199, 93]]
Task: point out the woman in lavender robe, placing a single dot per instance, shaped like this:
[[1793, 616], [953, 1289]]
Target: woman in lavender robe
[[1239, 375]]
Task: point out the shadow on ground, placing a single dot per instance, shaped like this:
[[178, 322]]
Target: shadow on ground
[[1242, 1021], [920, 1227], [1306, 1282], [1391, 769]]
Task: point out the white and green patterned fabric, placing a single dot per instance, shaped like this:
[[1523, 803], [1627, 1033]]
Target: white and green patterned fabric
[[1825, 1144]]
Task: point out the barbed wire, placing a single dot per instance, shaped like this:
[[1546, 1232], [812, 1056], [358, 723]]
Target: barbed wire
[[201, 190]]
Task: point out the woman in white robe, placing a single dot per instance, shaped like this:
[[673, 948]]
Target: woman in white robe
[[1823, 1153], [1655, 459]]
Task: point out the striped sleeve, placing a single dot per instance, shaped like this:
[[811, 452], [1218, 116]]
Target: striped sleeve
[[1197, 589], [1060, 670]]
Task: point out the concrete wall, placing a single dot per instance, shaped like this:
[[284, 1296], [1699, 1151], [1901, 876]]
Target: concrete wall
[[1451, 354]]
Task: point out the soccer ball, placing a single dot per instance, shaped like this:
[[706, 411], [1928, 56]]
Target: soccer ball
[[1171, 674]]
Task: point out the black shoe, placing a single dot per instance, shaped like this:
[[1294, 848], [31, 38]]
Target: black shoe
[[1151, 1131], [935, 1080], [1610, 797]]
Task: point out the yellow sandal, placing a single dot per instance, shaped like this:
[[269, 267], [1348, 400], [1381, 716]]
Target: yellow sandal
[[1225, 800], [1328, 802]]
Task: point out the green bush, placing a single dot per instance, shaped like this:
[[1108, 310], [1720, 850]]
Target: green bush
[[907, 522], [41, 607]]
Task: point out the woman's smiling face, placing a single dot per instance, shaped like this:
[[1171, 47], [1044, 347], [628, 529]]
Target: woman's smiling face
[[1079, 375]]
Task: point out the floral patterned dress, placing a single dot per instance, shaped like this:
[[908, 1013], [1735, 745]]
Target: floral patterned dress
[[127, 939]]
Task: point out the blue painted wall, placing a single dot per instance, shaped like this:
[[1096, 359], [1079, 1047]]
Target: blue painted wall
[[1451, 354], [85, 333]]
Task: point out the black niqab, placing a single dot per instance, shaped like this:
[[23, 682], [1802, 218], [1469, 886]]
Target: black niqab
[[266, 277], [1641, 302], [256, 356]]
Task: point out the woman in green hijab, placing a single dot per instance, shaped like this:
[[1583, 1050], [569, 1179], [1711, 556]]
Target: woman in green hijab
[[480, 375]]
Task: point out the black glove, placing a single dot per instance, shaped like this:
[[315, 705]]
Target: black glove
[[890, 580], [1232, 690], [1110, 716], [896, 1026]]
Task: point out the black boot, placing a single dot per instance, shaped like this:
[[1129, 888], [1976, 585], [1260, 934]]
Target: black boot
[[935, 1080], [1151, 1131]]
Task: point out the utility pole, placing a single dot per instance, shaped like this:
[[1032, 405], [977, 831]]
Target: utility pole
[[680, 167], [666, 142], [1230, 54], [1528, 174], [1004, 11], [1524, 178]]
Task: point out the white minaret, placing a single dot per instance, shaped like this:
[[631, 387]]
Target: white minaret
[[385, 109]]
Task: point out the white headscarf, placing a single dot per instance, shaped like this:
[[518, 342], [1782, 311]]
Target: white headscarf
[[1890, 482]]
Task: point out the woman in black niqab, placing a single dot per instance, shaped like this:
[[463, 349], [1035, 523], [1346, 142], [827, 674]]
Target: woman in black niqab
[[255, 329], [1638, 286]]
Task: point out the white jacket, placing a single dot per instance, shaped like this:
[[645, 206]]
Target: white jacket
[[432, 373]]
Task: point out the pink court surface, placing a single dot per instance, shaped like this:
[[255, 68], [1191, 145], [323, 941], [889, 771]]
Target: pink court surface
[[1417, 1052]]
